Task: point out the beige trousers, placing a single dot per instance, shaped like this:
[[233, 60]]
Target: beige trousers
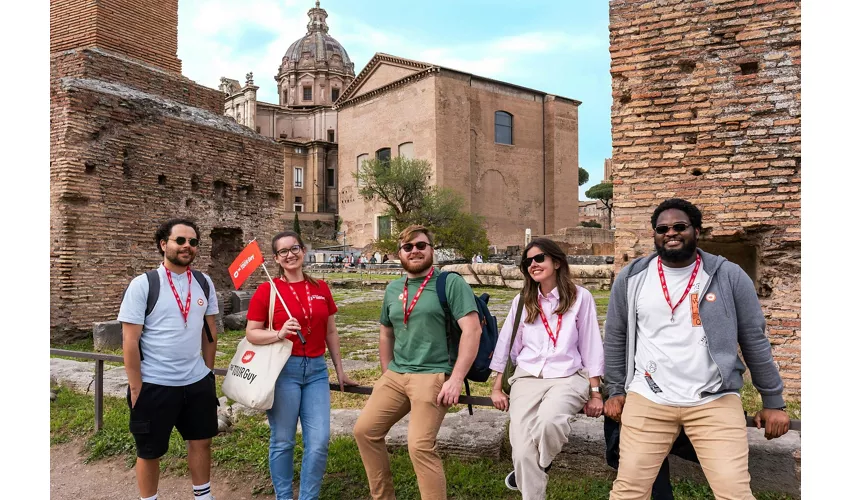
[[540, 411], [717, 431], [394, 396]]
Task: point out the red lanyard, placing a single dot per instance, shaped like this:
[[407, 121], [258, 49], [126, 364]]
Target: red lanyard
[[667, 293], [309, 316], [183, 311], [546, 323], [415, 297]]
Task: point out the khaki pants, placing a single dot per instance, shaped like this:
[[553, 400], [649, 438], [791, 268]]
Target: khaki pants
[[394, 396], [717, 431], [540, 411]]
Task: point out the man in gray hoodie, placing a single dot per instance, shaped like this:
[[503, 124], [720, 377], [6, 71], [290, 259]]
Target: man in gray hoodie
[[675, 321]]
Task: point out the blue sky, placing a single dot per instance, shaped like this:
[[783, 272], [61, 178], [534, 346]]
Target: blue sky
[[560, 47]]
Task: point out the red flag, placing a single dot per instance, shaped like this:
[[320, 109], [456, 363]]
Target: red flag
[[245, 263]]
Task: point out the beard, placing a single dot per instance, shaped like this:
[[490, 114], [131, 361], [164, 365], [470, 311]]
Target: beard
[[679, 255], [179, 259], [422, 265]]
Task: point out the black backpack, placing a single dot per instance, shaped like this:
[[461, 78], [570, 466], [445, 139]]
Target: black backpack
[[480, 369], [153, 296]]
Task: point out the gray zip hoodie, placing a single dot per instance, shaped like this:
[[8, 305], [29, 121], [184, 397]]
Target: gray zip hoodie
[[734, 318]]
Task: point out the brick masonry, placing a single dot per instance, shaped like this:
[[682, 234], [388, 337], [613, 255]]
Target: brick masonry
[[133, 143], [706, 106]]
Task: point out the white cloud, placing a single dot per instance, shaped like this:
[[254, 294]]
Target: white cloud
[[209, 29]]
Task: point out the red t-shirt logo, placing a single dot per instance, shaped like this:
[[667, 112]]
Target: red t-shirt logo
[[248, 356]]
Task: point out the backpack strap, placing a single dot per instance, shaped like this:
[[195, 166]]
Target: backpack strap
[[205, 286], [444, 302], [153, 290]]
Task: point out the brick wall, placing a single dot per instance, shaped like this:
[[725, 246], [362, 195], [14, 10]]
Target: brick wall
[[141, 29], [706, 106]]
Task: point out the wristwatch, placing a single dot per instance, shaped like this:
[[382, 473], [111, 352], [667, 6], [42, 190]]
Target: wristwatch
[[594, 389]]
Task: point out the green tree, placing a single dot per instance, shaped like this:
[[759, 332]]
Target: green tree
[[402, 185], [604, 192], [296, 226], [592, 223], [583, 176], [399, 183]]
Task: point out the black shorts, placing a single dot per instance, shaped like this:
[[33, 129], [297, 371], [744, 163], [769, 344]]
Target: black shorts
[[159, 408]]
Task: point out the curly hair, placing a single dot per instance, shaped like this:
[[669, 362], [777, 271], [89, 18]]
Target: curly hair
[[164, 231], [693, 213]]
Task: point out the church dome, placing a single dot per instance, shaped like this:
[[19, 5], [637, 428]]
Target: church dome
[[317, 49]]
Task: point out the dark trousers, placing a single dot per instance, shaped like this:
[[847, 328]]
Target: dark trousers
[[661, 488]]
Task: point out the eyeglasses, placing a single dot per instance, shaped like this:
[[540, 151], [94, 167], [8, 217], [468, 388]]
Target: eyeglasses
[[678, 227], [180, 240], [295, 249], [539, 258], [420, 245]]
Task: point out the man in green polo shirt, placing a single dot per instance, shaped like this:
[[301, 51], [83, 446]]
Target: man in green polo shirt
[[417, 377]]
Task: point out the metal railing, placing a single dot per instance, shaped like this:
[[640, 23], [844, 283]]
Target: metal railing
[[99, 360]]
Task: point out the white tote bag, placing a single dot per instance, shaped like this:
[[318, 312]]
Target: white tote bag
[[254, 369]]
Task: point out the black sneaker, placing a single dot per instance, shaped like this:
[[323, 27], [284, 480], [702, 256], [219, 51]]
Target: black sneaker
[[546, 469], [510, 481]]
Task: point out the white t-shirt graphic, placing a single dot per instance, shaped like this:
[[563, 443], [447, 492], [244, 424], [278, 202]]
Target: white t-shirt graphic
[[674, 353]]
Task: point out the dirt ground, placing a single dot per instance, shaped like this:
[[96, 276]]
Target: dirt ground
[[110, 479]]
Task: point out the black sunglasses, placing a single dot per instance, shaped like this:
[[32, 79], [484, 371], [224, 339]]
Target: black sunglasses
[[295, 249], [678, 227], [180, 240], [539, 258], [420, 245]]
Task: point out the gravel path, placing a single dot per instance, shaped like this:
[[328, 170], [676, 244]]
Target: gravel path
[[109, 479]]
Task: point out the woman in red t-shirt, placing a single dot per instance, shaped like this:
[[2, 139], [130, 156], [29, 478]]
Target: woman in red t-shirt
[[301, 390]]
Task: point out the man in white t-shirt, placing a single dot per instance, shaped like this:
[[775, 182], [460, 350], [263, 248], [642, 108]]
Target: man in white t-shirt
[[168, 357], [675, 322]]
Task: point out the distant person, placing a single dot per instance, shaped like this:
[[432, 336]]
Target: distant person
[[559, 362], [676, 320], [417, 377], [377, 257], [169, 353], [386, 258], [301, 392]]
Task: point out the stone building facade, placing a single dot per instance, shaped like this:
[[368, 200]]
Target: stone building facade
[[706, 106], [312, 75], [593, 211], [511, 152], [133, 143]]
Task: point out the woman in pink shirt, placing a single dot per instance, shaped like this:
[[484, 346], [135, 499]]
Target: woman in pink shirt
[[558, 357]]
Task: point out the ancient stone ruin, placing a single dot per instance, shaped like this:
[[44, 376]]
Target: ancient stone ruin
[[706, 106]]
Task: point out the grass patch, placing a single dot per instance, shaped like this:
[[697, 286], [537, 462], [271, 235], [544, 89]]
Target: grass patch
[[356, 312], [244, 451]]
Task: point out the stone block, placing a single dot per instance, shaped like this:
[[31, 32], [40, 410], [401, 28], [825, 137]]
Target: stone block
[[511, 273], [515, 284], [462, 269], [236, 321], [239, 300], [491, 279], [487, 269], [107, 335]]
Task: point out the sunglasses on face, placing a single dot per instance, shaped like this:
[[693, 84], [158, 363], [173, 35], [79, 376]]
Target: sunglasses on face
[[295, 249], [539, 258], [679, 227], [420, 245], [180, 240]]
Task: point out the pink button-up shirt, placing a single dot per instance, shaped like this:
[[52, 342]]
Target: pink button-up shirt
[[579, 343]]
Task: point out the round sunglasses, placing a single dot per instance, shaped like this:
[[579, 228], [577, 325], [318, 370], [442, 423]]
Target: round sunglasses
[[180, 240], [420, 245], [679, 227]]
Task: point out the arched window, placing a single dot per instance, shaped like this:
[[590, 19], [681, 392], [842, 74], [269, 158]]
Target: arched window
[[504, 127], [405, 149], [383, 154], [360, 160]]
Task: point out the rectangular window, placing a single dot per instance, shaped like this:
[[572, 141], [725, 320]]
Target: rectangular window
[[331, 178], [384, 226], [308, 93], [297, 199], [383, 155], [334, 95], [298, 207], [300, 151], [504, 128], [331, 136], [360, 160], [298, 181]]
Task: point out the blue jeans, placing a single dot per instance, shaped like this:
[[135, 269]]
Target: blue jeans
[[301, 391]]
